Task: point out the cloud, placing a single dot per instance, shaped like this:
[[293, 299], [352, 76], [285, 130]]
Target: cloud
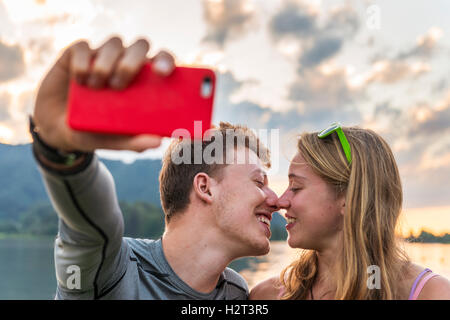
[[6, 26], [426, 188], [343, 21], [410, 63], [52, 20], [384, 118], [419, 135], [319, 109], [425, 164], [441, 86], [227, 19], [319, 86], [414, 129], [14, 111], [425, 47], [5, 101], [323, 48], [385, 109], [41, 49], [431, 121], [321, 35], [244, 112], [12, 63], [326, 90], [392, 71], [295, 20], [420, 139]]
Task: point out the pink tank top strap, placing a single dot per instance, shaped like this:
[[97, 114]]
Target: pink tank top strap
[[418, 286]]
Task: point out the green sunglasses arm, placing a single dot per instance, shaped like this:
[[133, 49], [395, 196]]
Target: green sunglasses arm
[[345, 145]]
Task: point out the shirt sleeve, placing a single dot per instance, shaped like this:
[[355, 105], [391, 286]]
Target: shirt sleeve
[[90, 253]]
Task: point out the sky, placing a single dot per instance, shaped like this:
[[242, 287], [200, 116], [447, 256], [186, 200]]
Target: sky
[[289, 65]]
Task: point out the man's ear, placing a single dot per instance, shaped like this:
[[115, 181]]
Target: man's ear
[[202, 187]]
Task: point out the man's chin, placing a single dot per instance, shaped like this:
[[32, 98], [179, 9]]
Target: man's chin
[[250, 247], [262, 248]]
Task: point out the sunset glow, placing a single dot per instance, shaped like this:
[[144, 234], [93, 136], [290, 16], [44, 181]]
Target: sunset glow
[[432, 219], [6, 134]]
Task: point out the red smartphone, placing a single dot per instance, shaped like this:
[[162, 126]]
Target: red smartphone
[[151, 104]]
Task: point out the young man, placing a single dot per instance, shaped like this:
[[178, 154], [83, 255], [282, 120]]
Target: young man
[[214, 213]]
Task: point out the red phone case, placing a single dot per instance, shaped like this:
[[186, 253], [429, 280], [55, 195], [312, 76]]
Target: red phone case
[[151, 104]]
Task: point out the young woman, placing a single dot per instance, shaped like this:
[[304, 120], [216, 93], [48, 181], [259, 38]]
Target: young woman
[[342, 205]]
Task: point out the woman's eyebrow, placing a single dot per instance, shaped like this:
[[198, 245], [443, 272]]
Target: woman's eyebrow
[[296, 177]]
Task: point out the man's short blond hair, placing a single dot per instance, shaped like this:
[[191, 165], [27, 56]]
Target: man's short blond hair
[[175, 180]]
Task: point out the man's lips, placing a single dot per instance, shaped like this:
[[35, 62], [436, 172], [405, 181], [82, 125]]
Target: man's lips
[[266, 214], [264, 217]]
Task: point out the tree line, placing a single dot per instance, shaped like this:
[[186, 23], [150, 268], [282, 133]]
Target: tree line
[[427, 237], [141, 219]]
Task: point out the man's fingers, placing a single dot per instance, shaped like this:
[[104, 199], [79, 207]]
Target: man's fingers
[[112, 64], [163, 63], [74, 62], [105, 61], [81, 56], [130, 64]]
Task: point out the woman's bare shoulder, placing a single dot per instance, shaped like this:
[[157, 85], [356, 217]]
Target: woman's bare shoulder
[[266, 290], [437, 288]]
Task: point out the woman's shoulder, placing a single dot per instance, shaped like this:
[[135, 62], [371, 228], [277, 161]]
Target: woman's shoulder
[[436, 288], [269, 289]]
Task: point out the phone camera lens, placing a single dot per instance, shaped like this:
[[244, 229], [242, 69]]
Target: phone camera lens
[[206, 88]]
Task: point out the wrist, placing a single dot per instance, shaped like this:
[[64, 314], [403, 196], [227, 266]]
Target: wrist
[[60, 167], [52, 156], [38, 133]]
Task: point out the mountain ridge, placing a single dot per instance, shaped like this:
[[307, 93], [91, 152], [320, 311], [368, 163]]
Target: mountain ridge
[[22, 185]]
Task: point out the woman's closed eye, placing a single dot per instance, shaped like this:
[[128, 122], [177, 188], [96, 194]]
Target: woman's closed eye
[[295, 189]]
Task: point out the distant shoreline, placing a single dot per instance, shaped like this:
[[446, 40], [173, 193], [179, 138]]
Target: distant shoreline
[[4, 235], [428, 237]]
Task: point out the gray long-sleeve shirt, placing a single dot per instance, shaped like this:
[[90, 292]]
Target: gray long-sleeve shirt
[[92, 258]]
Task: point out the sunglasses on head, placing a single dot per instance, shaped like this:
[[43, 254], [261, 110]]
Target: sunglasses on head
[[336, 127]]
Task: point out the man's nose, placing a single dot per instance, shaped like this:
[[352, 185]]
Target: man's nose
[[271, 199], [283, 202]]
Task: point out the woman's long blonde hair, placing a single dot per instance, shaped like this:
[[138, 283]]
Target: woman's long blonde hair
[[373, 193]]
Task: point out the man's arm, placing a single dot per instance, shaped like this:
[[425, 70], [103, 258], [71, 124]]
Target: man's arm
[[89, 255]]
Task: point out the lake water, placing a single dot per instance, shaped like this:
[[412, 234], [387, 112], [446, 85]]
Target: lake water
[[435, 256], [27, 267]]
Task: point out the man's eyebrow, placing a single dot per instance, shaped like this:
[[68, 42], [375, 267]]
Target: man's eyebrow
[[294, 176], [260, 171]]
